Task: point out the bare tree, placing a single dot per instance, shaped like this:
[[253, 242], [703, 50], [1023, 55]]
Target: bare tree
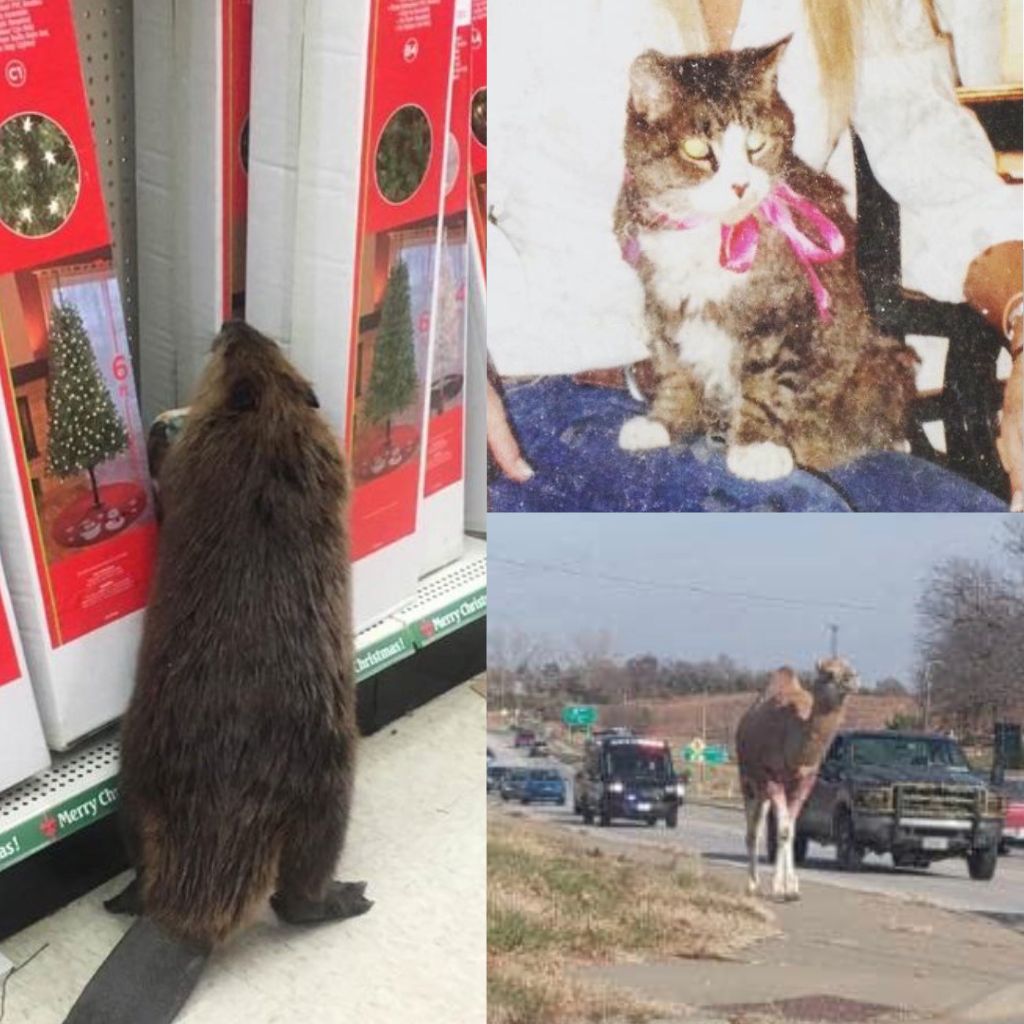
[[972, 643]]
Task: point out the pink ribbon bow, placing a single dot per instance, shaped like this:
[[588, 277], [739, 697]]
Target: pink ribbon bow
[[740, 240]]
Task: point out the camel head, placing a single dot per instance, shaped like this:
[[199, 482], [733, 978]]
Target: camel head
[[835, 681]]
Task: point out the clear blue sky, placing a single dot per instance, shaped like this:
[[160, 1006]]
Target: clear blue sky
[[876, 562]]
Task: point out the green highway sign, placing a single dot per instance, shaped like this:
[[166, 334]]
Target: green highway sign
[[579, 715], [712, 753]]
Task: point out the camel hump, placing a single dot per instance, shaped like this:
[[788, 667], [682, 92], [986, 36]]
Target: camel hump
[[783, 686]]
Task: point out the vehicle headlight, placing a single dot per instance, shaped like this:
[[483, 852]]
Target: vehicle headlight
[[680, 789], [877, 798], [675, 789], [615, 787]]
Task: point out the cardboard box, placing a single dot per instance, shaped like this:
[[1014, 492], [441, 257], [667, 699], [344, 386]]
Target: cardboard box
[[275, 98], [192, 64], [77, 530], [22, 747], [441, 520], [367, 244]]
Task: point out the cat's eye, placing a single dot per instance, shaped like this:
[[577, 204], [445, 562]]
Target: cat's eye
[[756, 141], [696, 149]]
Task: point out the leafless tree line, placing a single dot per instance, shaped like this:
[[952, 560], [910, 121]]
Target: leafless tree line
[[971, 639]]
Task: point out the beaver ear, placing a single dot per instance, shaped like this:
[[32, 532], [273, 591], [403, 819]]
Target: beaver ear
[[244, 396]]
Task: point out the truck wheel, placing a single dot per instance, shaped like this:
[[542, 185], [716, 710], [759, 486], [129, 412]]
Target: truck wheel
[[848, 853], [800, 842], [672, 818], [604, 819], [981, 863], [588, 814]]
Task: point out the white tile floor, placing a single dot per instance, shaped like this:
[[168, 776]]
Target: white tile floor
[[417, 836]]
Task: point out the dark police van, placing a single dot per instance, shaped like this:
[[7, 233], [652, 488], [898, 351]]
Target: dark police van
[[628, 777]]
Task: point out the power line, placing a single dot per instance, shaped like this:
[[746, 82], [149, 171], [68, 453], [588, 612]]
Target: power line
[[695, 588]]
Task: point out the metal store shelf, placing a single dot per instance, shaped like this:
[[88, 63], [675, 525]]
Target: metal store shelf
[[81, 787]]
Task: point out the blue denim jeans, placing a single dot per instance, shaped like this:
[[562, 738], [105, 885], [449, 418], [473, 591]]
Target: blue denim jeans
[[569, 434]]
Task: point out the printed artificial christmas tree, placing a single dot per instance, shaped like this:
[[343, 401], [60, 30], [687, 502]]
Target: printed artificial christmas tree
[[393, 375], [85, 427], [447, 347], [403, 154], [39, 178]]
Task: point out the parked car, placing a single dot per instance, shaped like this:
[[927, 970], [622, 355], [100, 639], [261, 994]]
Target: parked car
[[628, 777], [542, 785], [911, 795], [540, 748], [524, 738], [510, 786], [495, 773], [1013, 823]]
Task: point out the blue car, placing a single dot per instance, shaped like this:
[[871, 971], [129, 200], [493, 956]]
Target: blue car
[[542, 785]]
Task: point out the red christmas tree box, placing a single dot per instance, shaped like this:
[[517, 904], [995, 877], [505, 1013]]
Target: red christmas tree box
[[441, 524], [77, 530], [22, 747], [476, 346], [192, 73], [372, 143]]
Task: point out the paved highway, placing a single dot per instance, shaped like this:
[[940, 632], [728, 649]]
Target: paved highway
[[718, 834]]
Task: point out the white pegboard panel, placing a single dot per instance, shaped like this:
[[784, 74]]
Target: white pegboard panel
[[104, 30]]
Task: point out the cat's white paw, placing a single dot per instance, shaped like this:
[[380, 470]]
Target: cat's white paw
[[901, 446], [762, 461], [640, 434]]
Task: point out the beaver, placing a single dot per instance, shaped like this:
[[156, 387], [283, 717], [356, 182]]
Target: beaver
[[238, 746]]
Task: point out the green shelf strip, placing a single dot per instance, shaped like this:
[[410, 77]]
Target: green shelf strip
[[58, 822], [448, 619], [393, 648]]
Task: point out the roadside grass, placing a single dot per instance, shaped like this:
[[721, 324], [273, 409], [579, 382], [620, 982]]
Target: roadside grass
[[554, 902]]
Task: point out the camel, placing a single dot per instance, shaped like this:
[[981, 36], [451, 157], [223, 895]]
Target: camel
[[780, 742]]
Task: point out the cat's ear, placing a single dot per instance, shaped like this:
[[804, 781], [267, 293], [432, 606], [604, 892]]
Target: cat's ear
[[649, 91], [764, 64]]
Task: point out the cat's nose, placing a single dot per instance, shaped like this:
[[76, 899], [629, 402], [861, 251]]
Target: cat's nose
[[740, 188]]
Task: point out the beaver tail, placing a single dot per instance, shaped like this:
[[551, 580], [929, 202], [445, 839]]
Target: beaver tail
[[145, 980]]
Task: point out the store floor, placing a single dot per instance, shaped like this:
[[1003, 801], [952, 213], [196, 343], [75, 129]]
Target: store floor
[[417, 837]]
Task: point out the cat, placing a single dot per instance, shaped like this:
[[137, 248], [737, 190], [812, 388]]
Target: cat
[[757, 324]]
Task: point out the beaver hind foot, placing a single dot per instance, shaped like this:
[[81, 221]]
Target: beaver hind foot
[[342, 899], [128, 901]]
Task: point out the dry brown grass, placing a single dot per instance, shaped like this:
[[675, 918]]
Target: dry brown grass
[[555, 902]]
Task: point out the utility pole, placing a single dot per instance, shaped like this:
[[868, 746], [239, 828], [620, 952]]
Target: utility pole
[[833, 628]]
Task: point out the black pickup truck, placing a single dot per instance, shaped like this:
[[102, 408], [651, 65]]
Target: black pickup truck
[[911, 795]]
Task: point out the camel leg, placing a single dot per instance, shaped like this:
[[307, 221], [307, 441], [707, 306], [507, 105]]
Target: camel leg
[[757, 809], [777, 797], [796, 805]]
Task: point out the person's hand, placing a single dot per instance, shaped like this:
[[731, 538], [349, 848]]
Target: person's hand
[[501, 441], [1010, 442]]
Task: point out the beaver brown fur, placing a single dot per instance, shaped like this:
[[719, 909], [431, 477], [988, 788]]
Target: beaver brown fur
[[238, 747]]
